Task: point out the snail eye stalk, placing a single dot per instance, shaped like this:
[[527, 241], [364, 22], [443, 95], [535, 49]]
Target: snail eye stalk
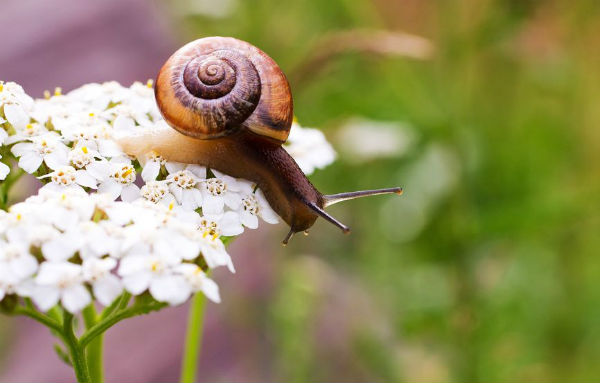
[[328, 217], [335, 198], [331, 199]]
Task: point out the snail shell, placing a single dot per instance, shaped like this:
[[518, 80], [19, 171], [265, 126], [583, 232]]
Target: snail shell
[[214, 86]]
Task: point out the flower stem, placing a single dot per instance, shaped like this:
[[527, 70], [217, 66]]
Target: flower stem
[[116, 317], [193, 339], [94, 348], [43, 319], [76, 351]]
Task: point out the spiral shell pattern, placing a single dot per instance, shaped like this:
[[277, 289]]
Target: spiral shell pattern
[[215, 86]]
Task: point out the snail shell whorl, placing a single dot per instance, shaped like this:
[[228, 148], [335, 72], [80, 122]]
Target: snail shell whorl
[[213, 86]]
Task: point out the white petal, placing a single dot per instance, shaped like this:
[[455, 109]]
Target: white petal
[[230, 224], [4, 170], [45, 297], [265, 210], [174, 167], [75, 298], [16, 115], [211, 290], [99, 170], [109, 148], [30, 162], [124, 123], [83, 178], [110, 187], [249, 220], [22, 148], [137, 283], [172, 289], [24, 266], [190, 199], [56, 159], [130, 193], [177, 192], [59, 249], [212, 204], [132, 264], [3, 134], [197, 170], [233, 200], [150, 171], [107, 289]]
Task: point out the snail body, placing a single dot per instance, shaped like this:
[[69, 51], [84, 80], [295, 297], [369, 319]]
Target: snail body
[[230, 107]]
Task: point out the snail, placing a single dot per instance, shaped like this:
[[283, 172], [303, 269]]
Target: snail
[[230, 107]]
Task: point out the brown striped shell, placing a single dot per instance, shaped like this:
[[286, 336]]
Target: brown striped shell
[[214, 86]]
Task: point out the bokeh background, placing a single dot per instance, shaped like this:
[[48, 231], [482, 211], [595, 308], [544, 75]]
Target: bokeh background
[[486, 111]]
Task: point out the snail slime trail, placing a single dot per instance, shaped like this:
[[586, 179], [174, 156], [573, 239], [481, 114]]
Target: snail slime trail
[[231, 109]]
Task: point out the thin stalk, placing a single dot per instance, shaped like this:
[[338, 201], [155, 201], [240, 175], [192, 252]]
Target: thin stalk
[[116, 317], [193, 339], [37, 316], [76, 351], [118, 304], [94, 348]]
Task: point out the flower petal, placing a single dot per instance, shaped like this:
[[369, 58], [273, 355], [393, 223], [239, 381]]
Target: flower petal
[[172, 289], [107, 289], [75, 298]]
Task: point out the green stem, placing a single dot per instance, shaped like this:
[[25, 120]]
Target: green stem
[[94, 349], [111, 320], [43, 319], [118, 304], [193, 339], [76, 350]]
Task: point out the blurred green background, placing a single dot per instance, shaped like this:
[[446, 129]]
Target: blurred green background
[[486, 269]]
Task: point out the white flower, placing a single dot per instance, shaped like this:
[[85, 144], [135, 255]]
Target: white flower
[[89, 129], [63, 242], [157, 192], [100, 95], [30, 234], [106, 286], [3, 134], [119, 181], [66, 208], [160, 237], [60, 281], [309, 147], [155, 273], [214, 253], [47, 148], [88, 238], [198, 281], [218, 193], [183, 182], [16, 104], [81, 156], [227, 224], [56, 107], [4, 170], [255, 205], [66, 177], [16, 259], [30, 130], [10, 283], [152, 164]]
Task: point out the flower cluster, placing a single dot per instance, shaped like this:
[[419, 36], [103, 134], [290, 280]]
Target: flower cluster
[[56, 243], [105, 221]]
